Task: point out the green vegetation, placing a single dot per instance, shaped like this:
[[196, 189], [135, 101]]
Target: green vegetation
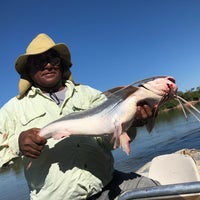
[[190, 95]]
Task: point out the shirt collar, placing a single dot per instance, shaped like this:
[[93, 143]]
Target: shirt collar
[[69, 84]]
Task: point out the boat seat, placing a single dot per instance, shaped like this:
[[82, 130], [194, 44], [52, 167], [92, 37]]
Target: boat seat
[[174, 168]]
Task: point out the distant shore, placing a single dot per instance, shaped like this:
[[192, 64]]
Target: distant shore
[[194, 103]]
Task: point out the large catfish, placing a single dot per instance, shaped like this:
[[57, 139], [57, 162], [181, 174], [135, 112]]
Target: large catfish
[[115, 115]]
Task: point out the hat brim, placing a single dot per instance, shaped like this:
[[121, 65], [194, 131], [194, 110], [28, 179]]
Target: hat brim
[[61, 48]]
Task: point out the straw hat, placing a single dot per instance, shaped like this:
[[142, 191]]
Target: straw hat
[[40, 44]]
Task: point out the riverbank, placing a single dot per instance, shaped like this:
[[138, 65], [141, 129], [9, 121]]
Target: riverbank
[[189, 103]]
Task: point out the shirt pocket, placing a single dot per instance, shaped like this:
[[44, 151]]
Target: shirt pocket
[[76, 105], [31, 119], [80, 106]]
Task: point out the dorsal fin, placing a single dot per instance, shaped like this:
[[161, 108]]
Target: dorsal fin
[[112, 90], [122, 91], [128, 89]]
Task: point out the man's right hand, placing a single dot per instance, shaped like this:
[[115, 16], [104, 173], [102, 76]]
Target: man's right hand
[[30, 143]]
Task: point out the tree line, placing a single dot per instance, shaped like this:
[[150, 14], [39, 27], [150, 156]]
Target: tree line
[[191, 95]]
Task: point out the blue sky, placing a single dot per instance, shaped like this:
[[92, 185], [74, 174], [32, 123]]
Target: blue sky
[[112, 42]]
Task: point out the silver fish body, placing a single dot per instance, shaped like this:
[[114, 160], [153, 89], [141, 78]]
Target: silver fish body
[[115, 115]]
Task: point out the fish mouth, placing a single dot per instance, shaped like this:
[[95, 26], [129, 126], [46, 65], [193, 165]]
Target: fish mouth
[[167, 88], [157, 92]]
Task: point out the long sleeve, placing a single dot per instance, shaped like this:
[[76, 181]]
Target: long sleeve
[[81, 166], [9, 148]]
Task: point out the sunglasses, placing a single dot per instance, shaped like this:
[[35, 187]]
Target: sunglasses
[[42, 61]]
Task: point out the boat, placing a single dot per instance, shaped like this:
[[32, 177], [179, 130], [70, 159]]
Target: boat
[[178, 174]]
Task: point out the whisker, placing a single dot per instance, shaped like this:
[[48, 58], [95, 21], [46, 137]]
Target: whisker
[[189, 107], [189, 104], [182, 107], [197, 118]]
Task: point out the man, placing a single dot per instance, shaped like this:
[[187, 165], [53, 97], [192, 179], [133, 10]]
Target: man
[[73, 168]]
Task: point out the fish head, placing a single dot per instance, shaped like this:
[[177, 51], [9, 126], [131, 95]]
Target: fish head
[[159, 91], [164, 86]]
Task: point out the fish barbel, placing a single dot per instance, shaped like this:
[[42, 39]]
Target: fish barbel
[[115, 115]]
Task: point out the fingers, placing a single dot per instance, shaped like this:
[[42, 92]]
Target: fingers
[[30, 143], [143, 113], [31, 152]]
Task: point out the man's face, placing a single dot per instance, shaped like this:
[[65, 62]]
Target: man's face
[[45, 70]]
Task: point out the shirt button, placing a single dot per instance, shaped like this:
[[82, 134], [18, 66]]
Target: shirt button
[[78, 145]]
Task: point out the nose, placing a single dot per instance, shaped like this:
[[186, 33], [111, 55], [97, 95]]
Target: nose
[[48, 66]]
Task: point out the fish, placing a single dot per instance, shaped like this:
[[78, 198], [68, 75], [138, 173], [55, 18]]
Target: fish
[[116, 114]]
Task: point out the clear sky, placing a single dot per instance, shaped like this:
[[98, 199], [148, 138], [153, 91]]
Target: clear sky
[[112, 42]]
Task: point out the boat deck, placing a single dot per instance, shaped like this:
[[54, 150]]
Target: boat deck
[[178, 173]]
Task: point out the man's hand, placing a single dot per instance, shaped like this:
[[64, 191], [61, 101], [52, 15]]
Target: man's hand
[[143, 112], [30, 143]]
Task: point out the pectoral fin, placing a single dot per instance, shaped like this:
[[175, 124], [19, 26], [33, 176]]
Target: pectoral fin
[[151, 121], [150, 124], [125, 142]]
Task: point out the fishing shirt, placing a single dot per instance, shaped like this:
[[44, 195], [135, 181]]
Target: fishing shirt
[[72, 168]]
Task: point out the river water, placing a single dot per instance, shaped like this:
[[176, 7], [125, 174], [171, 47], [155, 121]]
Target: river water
[[172, 132]]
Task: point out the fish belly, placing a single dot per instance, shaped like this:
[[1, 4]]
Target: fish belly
[[94, 126]]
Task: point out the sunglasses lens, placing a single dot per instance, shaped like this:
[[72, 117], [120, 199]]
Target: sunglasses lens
[[54, 61], [40, 61]]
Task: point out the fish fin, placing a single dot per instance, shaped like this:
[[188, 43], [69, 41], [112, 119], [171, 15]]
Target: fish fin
[[150, 124], [29, 165], [151, 121], [122, 91], [125, 142], [117, 133], [120, 138], [141, 82], [112, 91]]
